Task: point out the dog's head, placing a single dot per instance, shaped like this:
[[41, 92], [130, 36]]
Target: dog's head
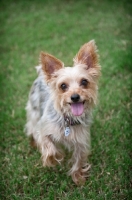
[[73, 89]]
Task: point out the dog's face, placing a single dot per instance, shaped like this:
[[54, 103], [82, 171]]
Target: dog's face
[[73, 88]]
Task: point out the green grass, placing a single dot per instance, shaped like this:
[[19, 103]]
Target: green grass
[[60, 28]]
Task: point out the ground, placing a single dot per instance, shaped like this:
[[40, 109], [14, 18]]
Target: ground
[[60, 28]]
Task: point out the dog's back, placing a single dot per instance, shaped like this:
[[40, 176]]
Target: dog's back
[[36, 104]]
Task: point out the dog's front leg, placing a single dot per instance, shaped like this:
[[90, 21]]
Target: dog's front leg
[[79, 164], [50, 154]]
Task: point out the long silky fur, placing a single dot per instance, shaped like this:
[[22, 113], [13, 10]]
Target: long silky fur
[[47, 106]]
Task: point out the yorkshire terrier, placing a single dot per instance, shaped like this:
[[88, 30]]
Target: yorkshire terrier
[[59, 109]]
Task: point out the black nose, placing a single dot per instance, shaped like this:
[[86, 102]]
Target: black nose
[[75, 97]]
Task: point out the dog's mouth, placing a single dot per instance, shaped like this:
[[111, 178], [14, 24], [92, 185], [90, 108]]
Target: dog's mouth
[[77, 109]]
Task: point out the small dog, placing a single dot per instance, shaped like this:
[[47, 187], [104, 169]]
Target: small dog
[[59, 109]]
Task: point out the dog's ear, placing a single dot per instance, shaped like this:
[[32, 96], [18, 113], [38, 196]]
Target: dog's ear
[[50, 64], [87, 55]]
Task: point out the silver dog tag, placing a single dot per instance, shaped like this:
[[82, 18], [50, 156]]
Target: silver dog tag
[[67, 131]]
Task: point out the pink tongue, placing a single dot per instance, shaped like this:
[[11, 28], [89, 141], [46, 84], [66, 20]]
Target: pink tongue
[[77, 108]]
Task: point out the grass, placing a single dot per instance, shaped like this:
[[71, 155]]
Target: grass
[[60, 28]]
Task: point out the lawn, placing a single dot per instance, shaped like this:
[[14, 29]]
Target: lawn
[[60, 28]]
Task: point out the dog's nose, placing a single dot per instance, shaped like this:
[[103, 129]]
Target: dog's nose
[[75, 97]]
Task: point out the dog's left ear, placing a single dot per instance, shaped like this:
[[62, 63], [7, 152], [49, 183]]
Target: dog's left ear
[[50, 64], [87, 55]]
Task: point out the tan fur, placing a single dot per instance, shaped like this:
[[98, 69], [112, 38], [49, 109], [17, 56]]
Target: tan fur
[[49, 104]]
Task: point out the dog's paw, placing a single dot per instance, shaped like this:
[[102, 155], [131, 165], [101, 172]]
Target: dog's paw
[[52, 160], [79, 177]]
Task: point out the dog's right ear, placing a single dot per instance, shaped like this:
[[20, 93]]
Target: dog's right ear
[[50, 64]]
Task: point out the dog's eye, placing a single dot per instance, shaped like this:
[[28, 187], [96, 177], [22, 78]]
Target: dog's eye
[[84, 82], [63, 86]]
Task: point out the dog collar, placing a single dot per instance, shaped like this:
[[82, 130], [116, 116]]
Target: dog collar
[[69, 122]]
